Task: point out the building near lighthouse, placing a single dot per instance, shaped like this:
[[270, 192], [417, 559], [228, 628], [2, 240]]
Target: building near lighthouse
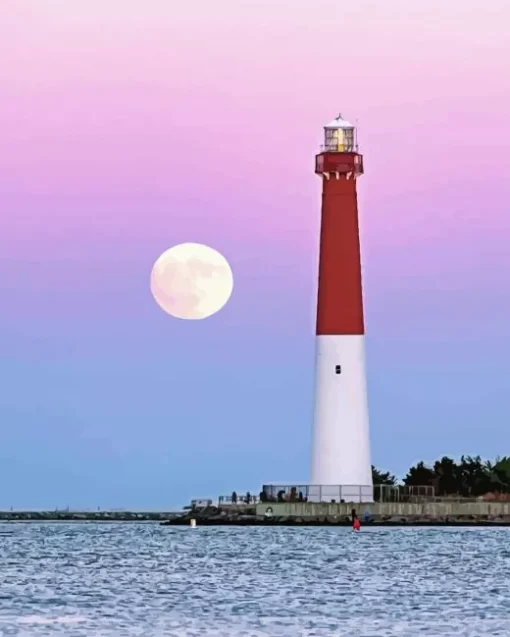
[[341, 463]]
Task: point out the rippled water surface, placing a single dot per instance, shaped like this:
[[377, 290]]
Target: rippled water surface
[[143, 579]]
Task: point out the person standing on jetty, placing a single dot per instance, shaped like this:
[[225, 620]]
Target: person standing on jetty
[[356, 524]]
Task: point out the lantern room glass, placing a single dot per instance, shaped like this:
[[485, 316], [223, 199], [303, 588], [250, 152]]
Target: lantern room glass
[[339, 140]]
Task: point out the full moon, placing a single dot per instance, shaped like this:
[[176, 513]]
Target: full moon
[[191, 281]]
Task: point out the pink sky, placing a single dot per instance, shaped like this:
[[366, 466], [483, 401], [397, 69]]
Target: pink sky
[[206, 116]]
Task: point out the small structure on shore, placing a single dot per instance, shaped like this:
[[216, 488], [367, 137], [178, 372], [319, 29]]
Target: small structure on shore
[[200, 503]]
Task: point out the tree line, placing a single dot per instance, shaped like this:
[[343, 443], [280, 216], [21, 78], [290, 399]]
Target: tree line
[[470, 477]]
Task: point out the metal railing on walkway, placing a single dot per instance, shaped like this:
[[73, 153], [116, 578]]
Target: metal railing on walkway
[[346, 493], [240, 499], [317, 493]]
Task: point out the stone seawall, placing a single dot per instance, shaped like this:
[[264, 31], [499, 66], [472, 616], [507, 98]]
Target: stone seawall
[[325, 514], [386, 509]]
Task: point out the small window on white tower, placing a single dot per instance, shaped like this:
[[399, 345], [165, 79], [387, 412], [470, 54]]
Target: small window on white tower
[[338, 369]]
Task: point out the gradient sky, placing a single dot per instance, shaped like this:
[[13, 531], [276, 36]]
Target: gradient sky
[[130, 126]]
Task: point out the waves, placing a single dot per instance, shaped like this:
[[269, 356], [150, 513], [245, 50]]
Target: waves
[[139, 579]]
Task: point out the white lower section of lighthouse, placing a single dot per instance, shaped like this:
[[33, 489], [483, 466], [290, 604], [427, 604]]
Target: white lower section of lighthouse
[[341, 463]]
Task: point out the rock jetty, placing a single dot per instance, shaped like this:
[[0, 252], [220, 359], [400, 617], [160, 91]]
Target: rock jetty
[[218, 516], [82, 516]]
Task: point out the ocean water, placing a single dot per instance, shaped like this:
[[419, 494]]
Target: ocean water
[[129, 579]]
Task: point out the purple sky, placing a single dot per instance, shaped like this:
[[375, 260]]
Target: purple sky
[[128, 127]]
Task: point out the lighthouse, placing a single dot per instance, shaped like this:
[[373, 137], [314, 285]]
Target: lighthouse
[[341, 463]]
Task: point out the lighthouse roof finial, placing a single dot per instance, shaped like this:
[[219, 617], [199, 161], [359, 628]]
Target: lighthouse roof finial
[[339, 122]]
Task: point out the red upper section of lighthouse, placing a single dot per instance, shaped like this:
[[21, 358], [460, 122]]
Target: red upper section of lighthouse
[[341, 163], [340, 298]]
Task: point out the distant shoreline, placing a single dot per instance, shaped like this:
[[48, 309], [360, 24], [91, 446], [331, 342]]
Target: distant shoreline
[[76, 521], [86, 516]]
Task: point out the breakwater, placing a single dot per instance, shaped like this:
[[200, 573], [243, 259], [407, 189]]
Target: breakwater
[[83, 516], [295, 514], [339, 514]]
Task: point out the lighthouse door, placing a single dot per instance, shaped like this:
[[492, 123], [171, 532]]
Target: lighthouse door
[[338, 369]]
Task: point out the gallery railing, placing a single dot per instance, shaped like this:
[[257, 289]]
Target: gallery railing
[[317, 493], [243, 499], [346, 493]]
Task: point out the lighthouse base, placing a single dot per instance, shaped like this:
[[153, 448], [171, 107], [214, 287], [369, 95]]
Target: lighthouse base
[[341, 444]]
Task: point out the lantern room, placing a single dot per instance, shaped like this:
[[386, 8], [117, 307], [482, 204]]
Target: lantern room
[[339, 137]]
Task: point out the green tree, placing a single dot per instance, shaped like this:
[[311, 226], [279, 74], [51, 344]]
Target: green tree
[[499, 474], [379, 477], [473, 477], [447, 476], [420, 475], [470, 477]]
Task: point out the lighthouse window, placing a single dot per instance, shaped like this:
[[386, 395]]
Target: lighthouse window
[[338, 369], [331, 140]]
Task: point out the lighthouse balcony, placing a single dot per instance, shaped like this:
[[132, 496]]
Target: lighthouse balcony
[[338, 162]]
